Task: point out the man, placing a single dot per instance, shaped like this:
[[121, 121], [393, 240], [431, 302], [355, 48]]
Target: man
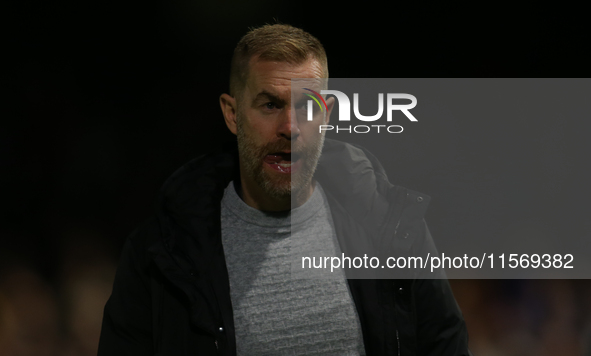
[[210, 274]]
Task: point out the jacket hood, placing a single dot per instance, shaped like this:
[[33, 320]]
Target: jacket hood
[[351, 174]]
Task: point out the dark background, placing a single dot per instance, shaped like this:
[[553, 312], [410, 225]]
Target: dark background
[[106, 99]]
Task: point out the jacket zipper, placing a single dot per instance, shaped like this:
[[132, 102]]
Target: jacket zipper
[[397, 336], [396, 318], [398, 341]]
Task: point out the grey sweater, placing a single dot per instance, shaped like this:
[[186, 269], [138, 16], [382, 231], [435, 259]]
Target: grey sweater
[[280, 309]]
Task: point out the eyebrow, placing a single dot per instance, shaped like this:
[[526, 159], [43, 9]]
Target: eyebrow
[[266, 95]]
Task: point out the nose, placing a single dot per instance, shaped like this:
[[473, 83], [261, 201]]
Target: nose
[[288, 125]]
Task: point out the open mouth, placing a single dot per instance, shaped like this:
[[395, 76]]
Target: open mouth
[[283, 162]]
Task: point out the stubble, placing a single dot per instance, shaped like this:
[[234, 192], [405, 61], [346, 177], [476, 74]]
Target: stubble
[[278, 186]]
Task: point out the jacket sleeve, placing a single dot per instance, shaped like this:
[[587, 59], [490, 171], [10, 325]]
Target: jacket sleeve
[[127, 318], [441, 329]]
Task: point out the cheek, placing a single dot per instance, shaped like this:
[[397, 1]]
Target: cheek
[[310, 131], [258, 130]]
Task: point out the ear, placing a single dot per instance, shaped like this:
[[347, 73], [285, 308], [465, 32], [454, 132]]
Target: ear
[[329, 106], [228, 105]]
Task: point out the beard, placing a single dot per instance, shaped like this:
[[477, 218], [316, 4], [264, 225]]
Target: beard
[[278, 186]]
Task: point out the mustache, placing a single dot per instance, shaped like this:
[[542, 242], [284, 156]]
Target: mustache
[[281, 146]]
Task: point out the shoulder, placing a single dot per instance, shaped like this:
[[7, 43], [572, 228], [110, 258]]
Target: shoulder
[[136, 252], [355, 178], [198, 181]]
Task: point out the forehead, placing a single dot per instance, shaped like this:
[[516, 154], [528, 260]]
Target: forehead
[[276, 76]]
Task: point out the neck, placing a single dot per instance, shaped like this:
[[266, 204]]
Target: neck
[[253, 195]]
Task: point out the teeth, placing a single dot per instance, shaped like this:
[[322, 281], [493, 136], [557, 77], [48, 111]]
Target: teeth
[[285, 165]]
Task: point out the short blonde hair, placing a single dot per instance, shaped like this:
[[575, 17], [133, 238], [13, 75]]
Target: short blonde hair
[[277, 42]]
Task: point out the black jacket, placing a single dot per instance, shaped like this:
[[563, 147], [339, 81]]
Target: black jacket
[[171, 293]]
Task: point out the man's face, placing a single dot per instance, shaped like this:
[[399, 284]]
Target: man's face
[[278, 149]]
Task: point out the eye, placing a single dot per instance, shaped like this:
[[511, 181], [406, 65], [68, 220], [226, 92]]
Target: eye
[[270, 105], [301, 105]]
